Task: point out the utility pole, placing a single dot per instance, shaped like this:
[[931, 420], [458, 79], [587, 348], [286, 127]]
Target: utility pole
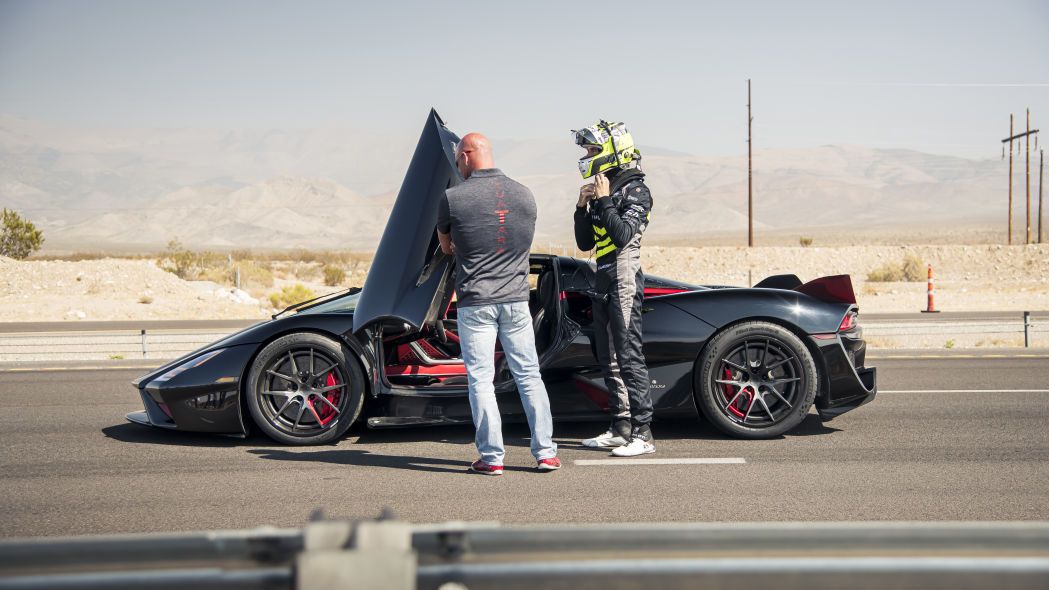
[[1010, 140], [750, 177], [1027, 147], [1041, 173]]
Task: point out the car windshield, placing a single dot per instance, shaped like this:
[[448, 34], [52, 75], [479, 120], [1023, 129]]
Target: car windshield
[[344, 304]]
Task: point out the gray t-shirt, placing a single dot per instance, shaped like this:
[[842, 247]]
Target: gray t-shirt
[[492, 222]]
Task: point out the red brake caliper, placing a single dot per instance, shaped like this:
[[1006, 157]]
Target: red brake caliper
[[325, 411], [742, 402]]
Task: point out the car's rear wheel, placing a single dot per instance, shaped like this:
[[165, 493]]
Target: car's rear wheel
[[756, 380], [304, 389]]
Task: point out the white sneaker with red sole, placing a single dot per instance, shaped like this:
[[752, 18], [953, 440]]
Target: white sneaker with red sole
[[636, 446], [604, 441]]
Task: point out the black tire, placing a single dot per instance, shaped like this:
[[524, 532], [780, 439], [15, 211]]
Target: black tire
[[298, 367], [777, 365]]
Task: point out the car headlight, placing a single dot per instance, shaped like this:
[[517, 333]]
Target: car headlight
[[190, 364]]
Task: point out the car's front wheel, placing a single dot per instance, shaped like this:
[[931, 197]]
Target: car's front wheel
[[756, 380], [304, 389]]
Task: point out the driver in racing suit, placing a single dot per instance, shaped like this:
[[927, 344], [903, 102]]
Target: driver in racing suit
[[610, 217]]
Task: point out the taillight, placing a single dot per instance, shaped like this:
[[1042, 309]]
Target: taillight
[[850, 322]]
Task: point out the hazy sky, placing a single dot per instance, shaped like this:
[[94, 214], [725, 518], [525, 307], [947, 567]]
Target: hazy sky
[[933, 76]]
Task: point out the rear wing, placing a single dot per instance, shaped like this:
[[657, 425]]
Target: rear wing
[[832, 289]]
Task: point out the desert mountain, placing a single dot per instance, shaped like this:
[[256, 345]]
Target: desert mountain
[[333, 188]]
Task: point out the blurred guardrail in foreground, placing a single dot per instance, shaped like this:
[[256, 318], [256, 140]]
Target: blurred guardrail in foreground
[[896, 331], [392, 555]]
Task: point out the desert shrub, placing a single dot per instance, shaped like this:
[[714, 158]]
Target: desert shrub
[[334, 275], [219, 268], [914, 269], [304, 271], [78, 256], [805, 241], [18, 237], [324, 257], [290, 295], [222, 276], [910, 269], [255, 275], [145, 299], [178, 260], [207, 259], [258, 269], [252, 275], [886, 273], [304, 255]]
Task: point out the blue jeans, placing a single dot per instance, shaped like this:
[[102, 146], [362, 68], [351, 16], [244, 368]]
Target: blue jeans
[[479, 326]]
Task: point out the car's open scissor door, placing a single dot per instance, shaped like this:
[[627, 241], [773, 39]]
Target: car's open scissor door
[[409, 278]]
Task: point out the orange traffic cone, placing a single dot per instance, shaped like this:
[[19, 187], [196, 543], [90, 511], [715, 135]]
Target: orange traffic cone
[[931, 306]]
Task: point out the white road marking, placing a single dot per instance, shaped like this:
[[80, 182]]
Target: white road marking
[[679, 461], [963, 391], [879, 357]]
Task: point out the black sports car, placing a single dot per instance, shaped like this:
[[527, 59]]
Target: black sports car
[[752, 361]]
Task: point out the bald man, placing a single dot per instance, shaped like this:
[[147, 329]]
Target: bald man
[[488, 223]]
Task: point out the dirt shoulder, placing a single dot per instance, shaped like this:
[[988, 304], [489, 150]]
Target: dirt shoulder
[[112, 289], [968, 278]]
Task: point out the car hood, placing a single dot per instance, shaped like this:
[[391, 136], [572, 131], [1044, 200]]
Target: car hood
[[409, 279]]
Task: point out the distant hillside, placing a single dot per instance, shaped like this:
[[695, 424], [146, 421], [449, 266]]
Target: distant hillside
[[279, 213], [333, 188]]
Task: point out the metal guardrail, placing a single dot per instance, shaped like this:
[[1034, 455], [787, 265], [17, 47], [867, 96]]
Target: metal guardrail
[[168, 343], [902, 329], [393, 555], [953, 328], [130, 344]]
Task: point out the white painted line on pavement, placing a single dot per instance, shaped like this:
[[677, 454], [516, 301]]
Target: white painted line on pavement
[[680, 461], [963, 392], [881, 357]]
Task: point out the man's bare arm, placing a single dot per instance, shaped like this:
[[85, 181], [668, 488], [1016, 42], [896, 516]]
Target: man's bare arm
[[446, 242]]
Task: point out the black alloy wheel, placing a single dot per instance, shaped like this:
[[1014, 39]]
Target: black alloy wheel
[[757, 380], [304, 389]]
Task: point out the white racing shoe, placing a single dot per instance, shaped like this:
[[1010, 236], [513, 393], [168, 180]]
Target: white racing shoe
[[636, 446], [604, 441]]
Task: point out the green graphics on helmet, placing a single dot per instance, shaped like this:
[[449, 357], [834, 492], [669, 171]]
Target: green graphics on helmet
[[608, 145]]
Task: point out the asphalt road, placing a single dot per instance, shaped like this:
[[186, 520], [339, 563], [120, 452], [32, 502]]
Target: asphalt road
[[929, 448]]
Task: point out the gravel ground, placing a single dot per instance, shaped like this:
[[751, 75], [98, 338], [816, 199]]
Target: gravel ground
[[968, 278], [111, 289]]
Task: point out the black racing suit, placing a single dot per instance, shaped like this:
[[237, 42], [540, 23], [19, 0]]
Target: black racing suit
[[613, 226]]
